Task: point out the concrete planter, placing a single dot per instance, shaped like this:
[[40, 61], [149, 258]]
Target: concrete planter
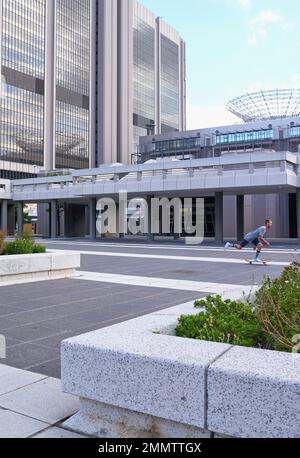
[[37, 267], [136, 379]]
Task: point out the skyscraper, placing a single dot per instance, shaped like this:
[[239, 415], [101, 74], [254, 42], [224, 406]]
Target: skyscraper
[[82, 80], [158, 76]]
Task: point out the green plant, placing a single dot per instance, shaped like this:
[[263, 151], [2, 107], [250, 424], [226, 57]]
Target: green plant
[[278, 308], [23, 245], [38, 249], [2, 239], [271, 322], [227, 321]]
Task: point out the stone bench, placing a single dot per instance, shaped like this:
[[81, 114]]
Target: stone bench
[[37, 267], [136, 379]]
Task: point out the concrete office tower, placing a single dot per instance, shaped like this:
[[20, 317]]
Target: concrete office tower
[[159, 92], [81, 80], [141, 79]]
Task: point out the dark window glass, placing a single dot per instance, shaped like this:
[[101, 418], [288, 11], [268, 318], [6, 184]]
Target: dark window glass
[[23, 63], [143, 78], [169, 85], [73, 79]]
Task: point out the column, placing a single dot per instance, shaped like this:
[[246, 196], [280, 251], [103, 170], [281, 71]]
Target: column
[[298, 214], [4, 213], [150, 236], [50, 86], [125, 86], [53, 225], [219, 237], [93, 231], [157, 77], [93, 84], [20, 207], [107, 106], [240, 225], [182, 84]]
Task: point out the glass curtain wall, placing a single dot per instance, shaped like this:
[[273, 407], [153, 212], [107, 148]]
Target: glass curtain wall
[[73, 80], [23, 73], [143, 79], [169, 85]]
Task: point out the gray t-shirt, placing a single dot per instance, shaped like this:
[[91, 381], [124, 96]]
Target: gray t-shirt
[[260, 232]]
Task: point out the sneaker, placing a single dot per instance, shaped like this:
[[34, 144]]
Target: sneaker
[[228, 245], [258, 261]]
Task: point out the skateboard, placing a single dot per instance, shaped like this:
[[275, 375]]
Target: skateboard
[[254, 263]]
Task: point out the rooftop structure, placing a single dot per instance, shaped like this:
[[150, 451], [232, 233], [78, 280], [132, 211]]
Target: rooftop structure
[[266, 105]]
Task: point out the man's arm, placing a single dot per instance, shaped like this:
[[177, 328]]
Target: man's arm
[[264, 241]]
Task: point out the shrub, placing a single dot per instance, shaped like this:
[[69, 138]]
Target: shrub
[[278, 308], [24, 245], [227, 321], [2, 239], [38, 249], [270, 323]]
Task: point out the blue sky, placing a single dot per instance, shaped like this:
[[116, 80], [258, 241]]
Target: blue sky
[[233, 47]]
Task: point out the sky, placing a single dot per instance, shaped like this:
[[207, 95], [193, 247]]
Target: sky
[[233, 47]]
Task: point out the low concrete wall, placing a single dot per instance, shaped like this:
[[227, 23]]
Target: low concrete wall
[[136, 379], [37, 267]]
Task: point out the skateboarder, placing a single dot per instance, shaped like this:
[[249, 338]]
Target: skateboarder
[[256, 238]]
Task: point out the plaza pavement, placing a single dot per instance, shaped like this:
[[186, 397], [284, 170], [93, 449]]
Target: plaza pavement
[[117, 281]]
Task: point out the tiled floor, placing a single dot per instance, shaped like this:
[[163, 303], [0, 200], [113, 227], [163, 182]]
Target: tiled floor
[[36, 317], [33, 405]]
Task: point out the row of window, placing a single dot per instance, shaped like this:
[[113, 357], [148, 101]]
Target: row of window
[[245, 136], [174, 145], [295, 131]]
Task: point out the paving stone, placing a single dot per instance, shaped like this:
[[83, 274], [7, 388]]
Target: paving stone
[[49, 368], [58, 433], [16, 426], [25, 355], [12, 379], [42, 401]]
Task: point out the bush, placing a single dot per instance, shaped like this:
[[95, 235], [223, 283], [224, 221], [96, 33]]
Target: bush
[[2, 239], [23, 245], [270, 323], [278, 308], [223, 321]]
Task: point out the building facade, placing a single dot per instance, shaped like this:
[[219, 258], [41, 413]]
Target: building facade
[[260, 136], [46, 85], [158, 76], [82, 80], [141, 79]]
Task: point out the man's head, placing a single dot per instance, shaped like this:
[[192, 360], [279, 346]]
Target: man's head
[[268, 223]]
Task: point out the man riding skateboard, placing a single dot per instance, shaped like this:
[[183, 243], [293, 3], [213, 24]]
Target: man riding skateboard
[[256, 238]]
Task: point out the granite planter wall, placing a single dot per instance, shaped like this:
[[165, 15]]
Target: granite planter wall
[[136, 379], [37, 267]]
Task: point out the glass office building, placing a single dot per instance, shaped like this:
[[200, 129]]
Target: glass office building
[[82, 80], [143, 78], [158, 76], [23, 73], [72, 83], [26, 29]]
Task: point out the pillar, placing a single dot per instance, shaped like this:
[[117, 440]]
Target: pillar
[[150, 236], [298, 214], [50, 86], [4, 219], [92, 213], [20, 207], [53, 219], [240, 225], [219, 237]]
